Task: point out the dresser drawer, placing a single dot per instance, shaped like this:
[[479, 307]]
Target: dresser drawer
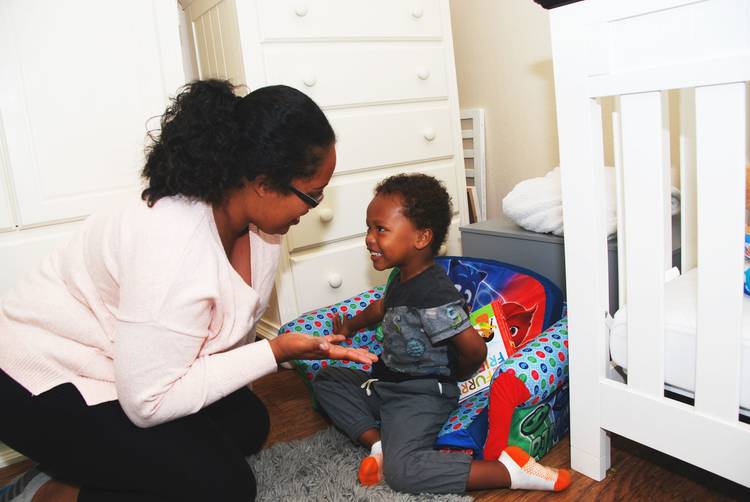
[[331, 275], [337, 19], [340, 75], [343, 211], [388, 135]]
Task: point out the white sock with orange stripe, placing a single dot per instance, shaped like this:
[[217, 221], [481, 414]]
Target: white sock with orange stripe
[[527, 474]]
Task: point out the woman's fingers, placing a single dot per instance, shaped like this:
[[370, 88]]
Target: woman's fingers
[[357, 355], [304, 346], [333, 351], [334, 338]]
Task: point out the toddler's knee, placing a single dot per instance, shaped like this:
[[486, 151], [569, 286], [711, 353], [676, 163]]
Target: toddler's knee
[[326, 374], [397, 476], [328, 379]]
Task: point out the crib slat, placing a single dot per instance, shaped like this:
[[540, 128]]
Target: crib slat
[[643, 163], [721, 129], [622, 268], [666, 195], [688, 190]]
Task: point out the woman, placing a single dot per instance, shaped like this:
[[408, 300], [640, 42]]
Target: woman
[[125, 357]]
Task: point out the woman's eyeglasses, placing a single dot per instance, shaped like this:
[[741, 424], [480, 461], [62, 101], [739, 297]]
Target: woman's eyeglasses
[[307, 198]]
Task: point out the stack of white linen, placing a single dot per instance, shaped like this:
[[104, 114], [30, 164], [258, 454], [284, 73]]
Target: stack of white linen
[[536, 203]]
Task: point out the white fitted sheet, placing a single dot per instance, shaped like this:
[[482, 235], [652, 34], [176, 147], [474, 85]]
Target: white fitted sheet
[[680, 306]]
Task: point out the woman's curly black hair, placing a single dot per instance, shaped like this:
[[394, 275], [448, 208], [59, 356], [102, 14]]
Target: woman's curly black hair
[[212, 141], [425, 201]]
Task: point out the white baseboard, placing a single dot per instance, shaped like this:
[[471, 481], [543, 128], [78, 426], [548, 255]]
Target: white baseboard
[[266, 329], [9, 457]]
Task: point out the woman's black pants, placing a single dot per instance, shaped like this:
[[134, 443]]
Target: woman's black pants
[[199, 457]]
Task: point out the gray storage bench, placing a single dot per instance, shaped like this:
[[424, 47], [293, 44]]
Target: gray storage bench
[[502, 240]]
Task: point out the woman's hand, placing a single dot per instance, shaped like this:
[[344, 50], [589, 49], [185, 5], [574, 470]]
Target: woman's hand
[[302, 346]]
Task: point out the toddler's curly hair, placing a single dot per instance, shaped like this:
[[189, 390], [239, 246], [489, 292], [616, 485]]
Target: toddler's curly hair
[[425, 201]]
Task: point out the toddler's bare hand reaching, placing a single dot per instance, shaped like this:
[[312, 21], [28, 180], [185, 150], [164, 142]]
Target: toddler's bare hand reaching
[[339, 326]]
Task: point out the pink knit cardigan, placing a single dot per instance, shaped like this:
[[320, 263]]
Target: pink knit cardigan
[[143, 306]]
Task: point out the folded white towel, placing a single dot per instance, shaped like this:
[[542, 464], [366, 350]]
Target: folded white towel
[[536, 203]]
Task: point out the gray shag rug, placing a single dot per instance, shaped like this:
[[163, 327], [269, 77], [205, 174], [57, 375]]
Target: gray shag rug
[[323, 467]]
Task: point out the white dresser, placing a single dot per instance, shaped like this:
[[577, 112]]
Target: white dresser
[[383, 72]]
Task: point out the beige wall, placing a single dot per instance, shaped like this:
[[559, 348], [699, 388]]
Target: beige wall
[[504, 65]]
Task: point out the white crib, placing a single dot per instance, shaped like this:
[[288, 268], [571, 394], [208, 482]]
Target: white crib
[[636, 51]]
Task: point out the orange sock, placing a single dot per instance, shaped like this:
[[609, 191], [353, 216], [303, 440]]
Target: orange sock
[[371, 470], [527, 474], [371, 467]]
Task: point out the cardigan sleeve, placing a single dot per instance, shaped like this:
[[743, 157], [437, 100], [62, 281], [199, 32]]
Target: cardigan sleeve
[[167, 313], [159, 378]]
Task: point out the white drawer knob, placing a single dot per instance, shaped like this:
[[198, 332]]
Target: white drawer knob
[[335, 280], [443, 250], [325, 214], [423, 73], [301, 10], [310, 80], [429, 134], [417, 12]]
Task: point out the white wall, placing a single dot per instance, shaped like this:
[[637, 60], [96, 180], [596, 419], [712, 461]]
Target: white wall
[[504, 65]]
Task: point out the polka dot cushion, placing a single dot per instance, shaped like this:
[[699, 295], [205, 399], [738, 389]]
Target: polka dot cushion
[[467, 413], [320, 322], [542, 363]]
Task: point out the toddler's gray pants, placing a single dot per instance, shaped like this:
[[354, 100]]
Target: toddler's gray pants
[[409, 415]]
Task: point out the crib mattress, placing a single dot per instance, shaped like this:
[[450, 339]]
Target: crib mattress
[[679, 345]]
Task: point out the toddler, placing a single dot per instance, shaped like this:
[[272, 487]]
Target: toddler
[[429, 344]]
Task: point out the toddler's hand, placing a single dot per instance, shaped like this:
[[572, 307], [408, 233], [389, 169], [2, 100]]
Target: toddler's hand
[[339, 326]]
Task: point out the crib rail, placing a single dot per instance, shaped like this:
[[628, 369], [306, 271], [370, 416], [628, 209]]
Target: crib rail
[[721, 132], [645, 162], [636, 52], [688, 181]]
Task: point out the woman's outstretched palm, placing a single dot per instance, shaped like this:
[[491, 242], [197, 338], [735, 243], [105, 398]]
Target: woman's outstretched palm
[[303, 346]]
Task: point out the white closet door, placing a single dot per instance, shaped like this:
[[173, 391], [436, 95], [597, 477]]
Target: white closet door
[[6, 216], [78, 81]]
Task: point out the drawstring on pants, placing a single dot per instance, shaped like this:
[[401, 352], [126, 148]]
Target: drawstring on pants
[[368, 383]]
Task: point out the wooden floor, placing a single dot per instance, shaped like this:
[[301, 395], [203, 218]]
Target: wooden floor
[[637, 474]]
